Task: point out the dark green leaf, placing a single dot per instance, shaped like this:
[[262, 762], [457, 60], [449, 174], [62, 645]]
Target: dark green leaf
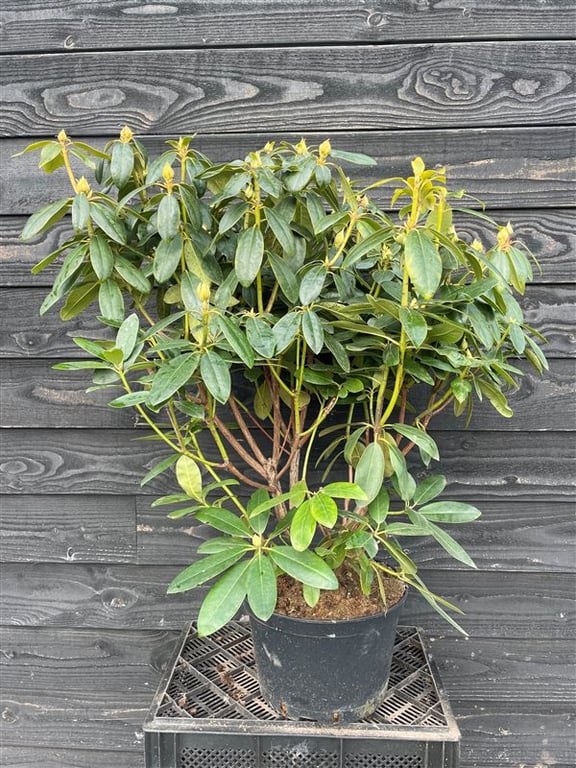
[[215, 373], [303, 527], [225, 521], [132, 275], [127, 335], [312, 283], [129, 400], [285, 276], [414, 324], [324, 509], [380, 506], [78, 300], [80, 212], [121, 163], [313, 331], [205, 569], [223, 600], [111, 300], [261, 586], [45, 218], [237, 340], [420, 438], [352, 157], [281, 229], [172, 375], [108, 222], [167, 258], [306, 567], [260, 336], [364, 246], [450, 512], [423, 262], [285, 330], [101, 256], [370, 471], [249, 255], [168, 217], [158, 468], [232, 214], [429, 488]]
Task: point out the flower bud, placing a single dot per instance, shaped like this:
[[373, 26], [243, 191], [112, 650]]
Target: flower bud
[[126, 135], [301, 147], [83, 187], [503, 237], [269, 147], [339, 238], [324, 149], [476, 245], [63, 137], [203, 292], [168, 173]]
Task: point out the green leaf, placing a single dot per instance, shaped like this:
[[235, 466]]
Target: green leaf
[[231, 215], [158, 468], [237, 340], [344, 490], [405, 482], [331, 221], [303, 527], [429, 488], [295, 495], [205, 569], [281, 229], [108, 222], [261, 336], [414, 324], [170, 376], [132, 275], [285, 330], [167, 258], [451, 546], [249, 255], [121, 163], [312, 283], [311, 595], [313, 331], [215, 374], [378, 508], [127, 335], [420, 438], [168, 217], [297, 180], [263, 401], [111, 300], [358, 158], [129, 400], [423, 262], [261, 586], [305, 566], [223, 600], [338, 351], [370, 471], [450, 512], [324, 509], [44, 218], [225, 521], [80, 212], [101, 256], [189, 477], [370, 243], [78, 300], [285, 276]]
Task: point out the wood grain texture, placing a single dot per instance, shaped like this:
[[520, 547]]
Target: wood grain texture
[[89, 529], [529, 536], [66, 26], [26, 334], [47, 757], [334, 88], [134, 597], [36, 395], [550, 236], [520, 167], [478, 465]]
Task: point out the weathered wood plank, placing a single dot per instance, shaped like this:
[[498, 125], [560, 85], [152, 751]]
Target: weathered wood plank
[[26, 334], [550, 235], [532, 735], [505, 167], [90, 529], [44, 659], [56, 757], [520, 536], [479, 465], [76, 595], [335, 88], [81, 24], [36, 395]]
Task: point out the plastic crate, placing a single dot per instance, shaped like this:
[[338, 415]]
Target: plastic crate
[[208, 713]]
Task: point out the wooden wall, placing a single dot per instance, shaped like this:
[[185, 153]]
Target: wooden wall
[[483, 86]]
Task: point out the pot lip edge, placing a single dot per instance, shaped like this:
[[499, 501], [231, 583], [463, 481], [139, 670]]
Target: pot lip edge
[[330, 622]]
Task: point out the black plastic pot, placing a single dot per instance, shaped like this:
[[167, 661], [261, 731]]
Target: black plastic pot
[[330, 671]]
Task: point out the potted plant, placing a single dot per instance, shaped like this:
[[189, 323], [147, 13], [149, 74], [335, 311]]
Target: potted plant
[[290, 342]]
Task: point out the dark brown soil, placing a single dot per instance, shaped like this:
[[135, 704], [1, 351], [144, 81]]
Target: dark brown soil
[[345, 603]]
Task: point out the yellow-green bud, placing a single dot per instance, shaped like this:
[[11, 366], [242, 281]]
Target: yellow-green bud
[[203, 292], [476, 245], [168, 173], [257, 541], [82, 187], [269, 146], [503, 237], [339, 238], [324, 149], [126, 135], [63, 137], [301, 148]]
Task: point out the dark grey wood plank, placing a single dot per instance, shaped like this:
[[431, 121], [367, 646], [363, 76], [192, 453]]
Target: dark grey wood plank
[[56, 757], [511, 536], [505, 167], [26, 334], [535, 735], [92, 529], [479, 465], [36, 395], [334, 88], [81, 24], [73, 660], [75, 595], [550, 235]]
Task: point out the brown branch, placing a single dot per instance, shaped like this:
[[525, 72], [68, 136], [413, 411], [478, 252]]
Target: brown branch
[[257, 453]]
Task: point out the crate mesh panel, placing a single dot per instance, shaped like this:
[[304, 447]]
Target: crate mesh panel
[[191, 757], [293, 758], [215, 677], [371, 760]]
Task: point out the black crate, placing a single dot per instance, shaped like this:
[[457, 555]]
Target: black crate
[[208, 713]]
